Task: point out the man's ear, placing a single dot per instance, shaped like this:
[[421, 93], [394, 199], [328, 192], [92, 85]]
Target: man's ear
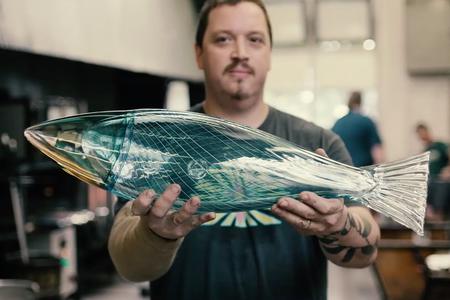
[[199, 56]]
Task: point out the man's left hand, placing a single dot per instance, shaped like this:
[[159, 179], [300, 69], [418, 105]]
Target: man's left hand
[[312, 214]]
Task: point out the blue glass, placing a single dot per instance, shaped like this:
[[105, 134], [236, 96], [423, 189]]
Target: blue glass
[[229, 166]]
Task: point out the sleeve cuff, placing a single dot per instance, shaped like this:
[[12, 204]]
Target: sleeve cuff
[[145, 234]]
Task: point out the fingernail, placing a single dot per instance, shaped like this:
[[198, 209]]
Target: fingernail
[[304, 196], [175, 188], [283, 203], [195, 201]]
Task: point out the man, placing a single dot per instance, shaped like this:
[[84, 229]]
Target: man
[[438, 207], [282, 254], [439, 155], [360, 134]]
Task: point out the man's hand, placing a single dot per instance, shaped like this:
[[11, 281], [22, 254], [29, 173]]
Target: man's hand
[[348, 236], [312, 214], [162, 219]]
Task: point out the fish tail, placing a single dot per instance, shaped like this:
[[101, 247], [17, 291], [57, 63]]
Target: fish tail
[[401, 192]]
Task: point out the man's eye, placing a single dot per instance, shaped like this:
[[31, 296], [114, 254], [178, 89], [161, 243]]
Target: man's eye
[[257, 40], [222, 39]]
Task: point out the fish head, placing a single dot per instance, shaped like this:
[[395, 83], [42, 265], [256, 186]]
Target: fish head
[[85, 146]]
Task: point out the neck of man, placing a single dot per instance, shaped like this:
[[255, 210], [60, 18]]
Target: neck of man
[[356, 109], [244, 111]]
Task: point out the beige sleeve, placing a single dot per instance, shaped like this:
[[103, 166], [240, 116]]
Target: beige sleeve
[[137, 253]]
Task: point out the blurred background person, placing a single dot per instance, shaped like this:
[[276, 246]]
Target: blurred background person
[[438, 206], [359, 134], [439, 156]]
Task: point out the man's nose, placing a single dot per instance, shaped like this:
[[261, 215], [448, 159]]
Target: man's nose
[[240, 50]]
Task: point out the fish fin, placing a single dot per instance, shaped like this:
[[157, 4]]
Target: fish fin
[[401, 192]]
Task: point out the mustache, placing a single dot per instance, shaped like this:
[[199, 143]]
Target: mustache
[[241, 64]]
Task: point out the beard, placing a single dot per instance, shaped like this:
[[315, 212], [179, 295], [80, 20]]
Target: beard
[[238, 90], [240, 93], [239, 86]]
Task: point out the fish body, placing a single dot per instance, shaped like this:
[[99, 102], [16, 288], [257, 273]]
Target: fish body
[[231, 167]]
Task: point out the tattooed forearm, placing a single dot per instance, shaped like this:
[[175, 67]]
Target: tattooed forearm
[[362, 228]]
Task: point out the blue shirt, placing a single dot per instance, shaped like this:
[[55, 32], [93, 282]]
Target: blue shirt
[[360, 135]]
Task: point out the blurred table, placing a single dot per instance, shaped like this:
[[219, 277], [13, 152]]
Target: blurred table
[[400, 266]]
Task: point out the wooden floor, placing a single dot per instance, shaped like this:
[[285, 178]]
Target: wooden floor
[[344, 284]]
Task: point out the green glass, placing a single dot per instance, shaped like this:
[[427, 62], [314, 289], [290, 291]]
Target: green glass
[[229, 166]]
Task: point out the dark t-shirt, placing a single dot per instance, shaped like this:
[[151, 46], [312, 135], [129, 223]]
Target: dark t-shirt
[[359, 134], [438, 157], [253, 255]]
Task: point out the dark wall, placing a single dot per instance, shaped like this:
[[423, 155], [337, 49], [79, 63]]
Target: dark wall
[[39, 77], [29, 82], [196, 92], [137, 90]]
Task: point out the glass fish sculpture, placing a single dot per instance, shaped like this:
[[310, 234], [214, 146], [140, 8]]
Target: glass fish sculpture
[[229, 166]]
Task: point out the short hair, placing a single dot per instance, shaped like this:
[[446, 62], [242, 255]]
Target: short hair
[[209, 5], [354, 100], [421, 126]]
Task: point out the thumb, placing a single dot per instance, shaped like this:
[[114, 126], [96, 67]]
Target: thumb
[[321, 152]]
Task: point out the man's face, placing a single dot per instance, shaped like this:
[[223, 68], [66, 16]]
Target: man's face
[[423, 135], [236, 51]]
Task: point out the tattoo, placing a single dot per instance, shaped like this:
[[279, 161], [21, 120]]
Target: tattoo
[[361, 226]]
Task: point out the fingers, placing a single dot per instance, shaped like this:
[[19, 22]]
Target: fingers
[[187, 214], [297, 208], [322, 205], [301, 224], [312, 214], [206, 217], [143, 203], [170, 224], [201, 219], [165, 202], [311, 206], [178, 224], [321, 152], [189, 208]]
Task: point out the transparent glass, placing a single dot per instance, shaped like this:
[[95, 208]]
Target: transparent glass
[[229, 166]]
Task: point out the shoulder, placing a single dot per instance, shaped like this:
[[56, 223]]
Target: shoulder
[[291, 122], [369, 121], [308, 135], [366, 123], [303, 131], [441, 145]]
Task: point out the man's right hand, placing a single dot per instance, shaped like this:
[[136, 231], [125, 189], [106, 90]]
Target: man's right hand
[[162, 219]]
